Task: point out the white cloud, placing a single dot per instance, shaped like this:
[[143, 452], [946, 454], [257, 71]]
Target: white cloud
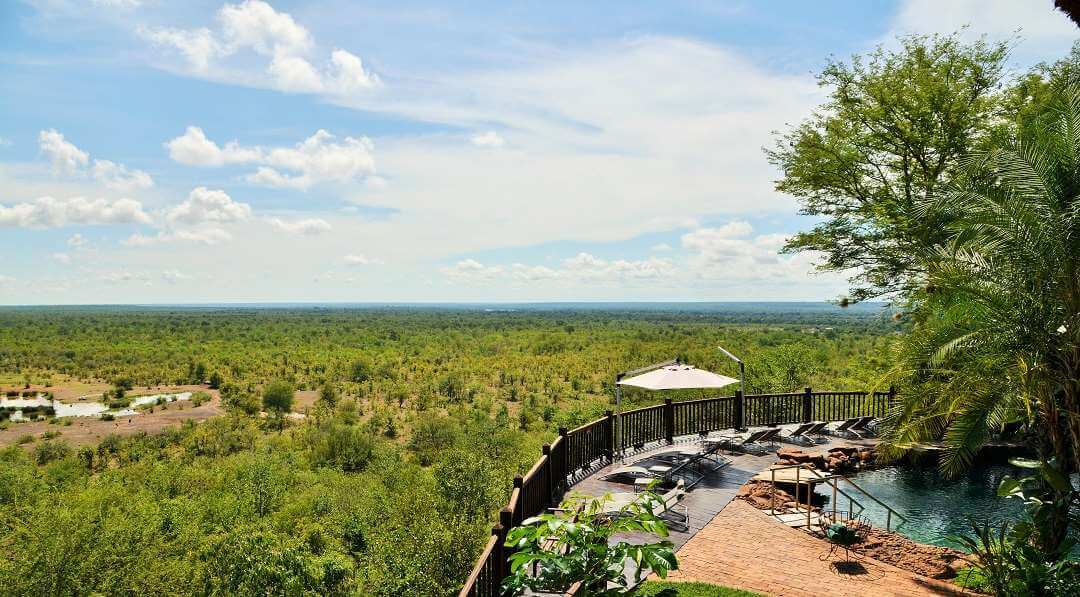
[[69, 160], [172, 276], [194, 149], [1043, 30], [49, 212], [124, 277], [488, 139], [119, 177], [6, 280], [5, 142], [309, 226], [359, 259], [257, 28], [317, 159], [470, 269], [205, 205], [205, 236], [63, 258], [65, 157], [76, 240], [119, 4], [660, 247]]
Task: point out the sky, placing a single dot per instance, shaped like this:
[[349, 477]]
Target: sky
[[333, 150]]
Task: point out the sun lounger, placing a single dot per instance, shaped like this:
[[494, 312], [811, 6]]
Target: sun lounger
[[846, 426], [630, 474], [862, 424], [798, 435], [666, 507], [752, 441]]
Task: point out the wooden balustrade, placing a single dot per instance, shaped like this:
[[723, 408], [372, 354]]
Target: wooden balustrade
[[576, 450]]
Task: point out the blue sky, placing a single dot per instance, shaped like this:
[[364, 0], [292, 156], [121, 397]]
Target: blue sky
[[417, 151]]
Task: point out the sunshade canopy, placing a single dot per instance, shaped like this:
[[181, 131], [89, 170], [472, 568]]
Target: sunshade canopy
[[678, 377]]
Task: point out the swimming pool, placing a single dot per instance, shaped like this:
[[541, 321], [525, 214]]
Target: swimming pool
[[936, 507]]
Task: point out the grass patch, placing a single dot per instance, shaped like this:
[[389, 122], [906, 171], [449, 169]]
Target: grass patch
[[654, 588]]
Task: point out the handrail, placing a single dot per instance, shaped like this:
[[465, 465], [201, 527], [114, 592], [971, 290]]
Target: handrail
[[580, 448], [478, 568], [852, 502], [889, 510]]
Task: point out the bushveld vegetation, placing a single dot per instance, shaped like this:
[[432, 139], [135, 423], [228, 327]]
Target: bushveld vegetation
[[389, 485]]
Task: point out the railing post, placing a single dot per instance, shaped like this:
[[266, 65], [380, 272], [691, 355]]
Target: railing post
[[564, 474], [669, 420], [740, 411], [807, 405], [504, 553], [889, 403], [609, 436], [549, 482]]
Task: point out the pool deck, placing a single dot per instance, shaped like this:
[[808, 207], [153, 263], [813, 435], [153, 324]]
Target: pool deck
[[732, 543]]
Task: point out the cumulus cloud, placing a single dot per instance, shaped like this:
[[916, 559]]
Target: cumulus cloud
[[319, 158], [76, 240], [360, 259], [6, 280], [63, 258], [308, 226], [205, 236], [488, 139], [471, 269], [194, 149], [49, 212], [583, 267], [204, 205], [67, 159], [255, 27]]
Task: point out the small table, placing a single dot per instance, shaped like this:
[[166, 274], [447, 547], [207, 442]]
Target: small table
[[659, 469], [643, 483]]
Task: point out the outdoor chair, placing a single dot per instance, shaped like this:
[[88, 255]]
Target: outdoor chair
[[817, 431], [798, 435], [752, 442], [843, 532], [845, 427], [668, 506], [864, 425], [630, 474]]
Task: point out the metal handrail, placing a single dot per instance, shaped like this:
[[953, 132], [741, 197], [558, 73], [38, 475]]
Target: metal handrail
[[852, 502], [889, 511]]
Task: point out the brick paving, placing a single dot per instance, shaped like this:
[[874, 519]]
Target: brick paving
[[743, 547]]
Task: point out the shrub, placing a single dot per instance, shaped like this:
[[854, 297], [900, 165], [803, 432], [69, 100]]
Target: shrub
[[24, 439], [200, 398], [346, 447], [49, 451], [108, 417], [278, 397], [432, 434]]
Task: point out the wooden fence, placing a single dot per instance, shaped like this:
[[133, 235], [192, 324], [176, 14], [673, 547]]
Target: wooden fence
[[575, 451]]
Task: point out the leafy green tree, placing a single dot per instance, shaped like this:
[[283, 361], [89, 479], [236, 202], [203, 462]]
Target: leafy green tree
[[892, 133], [575, 546], [997, 328], [328, 395], [431, 435], [468, 484], [360, 371], [216, 380], [278, 397]]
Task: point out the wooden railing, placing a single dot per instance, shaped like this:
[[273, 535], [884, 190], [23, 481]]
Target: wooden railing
[[575, 451]]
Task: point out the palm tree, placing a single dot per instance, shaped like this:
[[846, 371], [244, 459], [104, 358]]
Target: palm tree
[[996, 334]]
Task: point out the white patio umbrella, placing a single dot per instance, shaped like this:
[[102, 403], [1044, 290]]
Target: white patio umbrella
[[678, 377], [669, 375]]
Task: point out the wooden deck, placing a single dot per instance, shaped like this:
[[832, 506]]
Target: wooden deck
[[706, 499]]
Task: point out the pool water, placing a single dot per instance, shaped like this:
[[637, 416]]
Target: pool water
[[936, 507]]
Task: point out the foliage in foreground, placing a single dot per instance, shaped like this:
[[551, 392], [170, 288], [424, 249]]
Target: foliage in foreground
[[556, 550]]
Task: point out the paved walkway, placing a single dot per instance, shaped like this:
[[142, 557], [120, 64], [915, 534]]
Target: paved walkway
[[742, 547]]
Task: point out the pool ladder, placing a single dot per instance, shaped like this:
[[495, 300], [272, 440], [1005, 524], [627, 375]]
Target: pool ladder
[[832, 480]]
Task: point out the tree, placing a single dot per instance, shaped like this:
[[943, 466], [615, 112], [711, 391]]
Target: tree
[[996, 335], [328, 395], [891, 134], [278, 397], [360, 371], [216, 380], [582, 550]]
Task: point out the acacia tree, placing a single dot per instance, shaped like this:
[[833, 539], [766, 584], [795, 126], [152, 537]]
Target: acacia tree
[[894, 128], [996, 337]]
